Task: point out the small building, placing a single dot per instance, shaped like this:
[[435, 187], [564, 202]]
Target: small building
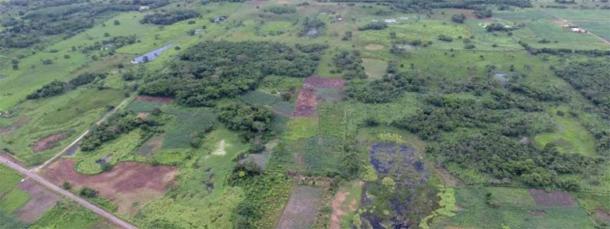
[[144, 8], [578, 30]]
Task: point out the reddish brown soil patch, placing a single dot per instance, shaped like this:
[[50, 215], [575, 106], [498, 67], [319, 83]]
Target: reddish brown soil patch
[[552, 199], [48, 142], [320, 82], [155, 99], [602, 215], [41, 200], [307, 100], [338, 213], [128, 184]]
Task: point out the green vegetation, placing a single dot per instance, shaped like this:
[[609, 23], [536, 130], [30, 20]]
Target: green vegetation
[[429, 114]]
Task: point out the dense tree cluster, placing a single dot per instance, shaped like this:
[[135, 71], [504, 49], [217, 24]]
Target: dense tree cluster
[[591, 79], [349, 64], [373, 26], [384, 90], [115, 126], [445, 114], [504, 158], [168, 18], [213, 70], [312, 27], [57, 87], [253, 120]]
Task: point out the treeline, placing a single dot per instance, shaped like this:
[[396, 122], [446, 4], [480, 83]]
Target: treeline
[[281, 9], [168, 18], [57, 87], [373, 26], [115, 126], [44, 18], [419, 5], [564, 51], [213, 70]]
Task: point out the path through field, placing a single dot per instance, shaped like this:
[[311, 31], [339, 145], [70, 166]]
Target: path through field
[[38, 179], [80, 137]]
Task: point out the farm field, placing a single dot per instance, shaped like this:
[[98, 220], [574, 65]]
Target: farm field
[[305, 114]]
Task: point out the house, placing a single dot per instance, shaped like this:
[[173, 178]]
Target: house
[[390, 20], [144, 8]]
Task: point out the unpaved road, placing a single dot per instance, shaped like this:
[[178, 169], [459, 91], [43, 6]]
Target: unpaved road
[[38, 179], [77, 140]]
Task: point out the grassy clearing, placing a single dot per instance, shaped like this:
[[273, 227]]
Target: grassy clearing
[[67, 215], [570, 135], [186, 124], [202, 196], [11, 197]]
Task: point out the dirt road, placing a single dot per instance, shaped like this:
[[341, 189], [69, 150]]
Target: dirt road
[[77, 140], [37, 178]]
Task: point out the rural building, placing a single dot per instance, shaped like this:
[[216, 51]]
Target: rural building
[[578, 30]]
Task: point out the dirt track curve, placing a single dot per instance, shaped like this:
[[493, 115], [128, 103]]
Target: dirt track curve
[[38, 179]]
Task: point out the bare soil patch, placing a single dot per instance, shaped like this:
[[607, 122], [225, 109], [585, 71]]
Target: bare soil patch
[[602, 215], [41, 200], [306, 102], [314, 89], [374, 47], [340, 208], [302, 208], [128, 184], [48, 142], [552, 199], [155, 99]]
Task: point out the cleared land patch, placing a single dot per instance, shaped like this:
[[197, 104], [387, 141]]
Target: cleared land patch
[[41, 200], [48, 142], [128, 184], [307, 100], [302, 207]]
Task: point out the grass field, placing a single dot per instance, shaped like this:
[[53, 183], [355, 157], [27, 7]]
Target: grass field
[[509, 208], [11, 197], [570, 136]]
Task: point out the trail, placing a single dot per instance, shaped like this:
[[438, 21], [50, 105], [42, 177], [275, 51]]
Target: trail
[[42, 181], [80, 137]]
